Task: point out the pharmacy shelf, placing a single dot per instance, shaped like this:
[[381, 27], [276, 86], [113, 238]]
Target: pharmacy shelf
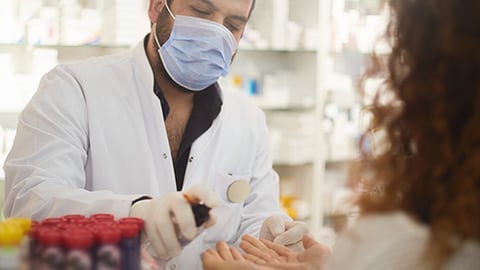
[[120, 46], [280, 51]]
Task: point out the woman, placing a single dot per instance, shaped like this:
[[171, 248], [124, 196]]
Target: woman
[[425, 211]]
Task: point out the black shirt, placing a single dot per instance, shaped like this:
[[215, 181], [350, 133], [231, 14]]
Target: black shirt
[[206, 107]]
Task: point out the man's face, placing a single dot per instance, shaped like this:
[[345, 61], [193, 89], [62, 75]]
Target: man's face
[[232, 14]]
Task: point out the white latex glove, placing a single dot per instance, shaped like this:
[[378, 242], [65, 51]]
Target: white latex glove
[[284, 232], [163, 214]]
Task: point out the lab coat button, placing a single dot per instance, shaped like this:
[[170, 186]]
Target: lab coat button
[[173, 266], [190, 159], [165, 155]]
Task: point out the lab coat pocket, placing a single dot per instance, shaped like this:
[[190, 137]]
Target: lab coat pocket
[[228, 213]]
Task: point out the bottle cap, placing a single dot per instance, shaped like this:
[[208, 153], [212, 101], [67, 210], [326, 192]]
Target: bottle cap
[[82, 222], [107, 236], [133, 220], [78, 239], [10, 234], [103, 217], [108, 223], [49, 237], [129, 230], [70, 226], [51, 222], [73, 218], [24, 223]]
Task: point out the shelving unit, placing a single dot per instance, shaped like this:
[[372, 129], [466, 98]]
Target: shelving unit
[[283, 54]]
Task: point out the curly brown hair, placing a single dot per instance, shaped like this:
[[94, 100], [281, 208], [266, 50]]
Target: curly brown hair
[[428, 114]]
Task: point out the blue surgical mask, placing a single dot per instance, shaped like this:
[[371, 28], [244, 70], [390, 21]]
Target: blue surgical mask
[[197, 52]]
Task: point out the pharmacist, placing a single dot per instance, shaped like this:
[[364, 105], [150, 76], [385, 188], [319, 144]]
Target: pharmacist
[[129, 134]]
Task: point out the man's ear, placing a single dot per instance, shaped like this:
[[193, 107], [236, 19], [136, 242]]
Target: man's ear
[[154, 9]]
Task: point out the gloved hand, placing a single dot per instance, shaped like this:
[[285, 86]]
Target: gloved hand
[[284, 232], [164, 214]]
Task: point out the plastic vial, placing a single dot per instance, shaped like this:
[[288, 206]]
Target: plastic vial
[[50, 252], [78, 244], [201, 215], [33, 245], [107, 254], [130, 246], [10, 239], [25, 224], [137, 221]]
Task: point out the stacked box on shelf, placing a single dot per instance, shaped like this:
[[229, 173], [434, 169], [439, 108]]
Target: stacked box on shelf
[[123, 22]]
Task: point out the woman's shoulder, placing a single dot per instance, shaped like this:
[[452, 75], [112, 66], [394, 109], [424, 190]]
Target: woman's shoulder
[[381, 241], [395, 224], [467, 257]]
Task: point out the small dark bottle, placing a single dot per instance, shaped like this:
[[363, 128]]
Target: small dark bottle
[[107, 254], [50, 251], [33, 245], [201, 213], [78, 245], [137, 221], [130, 246]]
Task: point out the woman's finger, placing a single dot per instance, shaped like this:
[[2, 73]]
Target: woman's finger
[[289, 266], [254, 259], [257, 248], [279, 249], [212, 255], [224, 251], [236, 254]]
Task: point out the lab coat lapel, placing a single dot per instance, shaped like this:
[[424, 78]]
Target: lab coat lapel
[[154, 123], [201, 149]]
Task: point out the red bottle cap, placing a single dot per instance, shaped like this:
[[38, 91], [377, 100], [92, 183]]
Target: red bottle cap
[[83, 222], [133, 220], [78, 239], [70, 226], [107, 236], [129, 230], [103, 217], [49, 237], [72, 218], [51, 222], [34, 230], [108, 223]]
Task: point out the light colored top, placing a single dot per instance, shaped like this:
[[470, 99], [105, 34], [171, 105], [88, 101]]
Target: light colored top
[[93, 138], [394, 242]]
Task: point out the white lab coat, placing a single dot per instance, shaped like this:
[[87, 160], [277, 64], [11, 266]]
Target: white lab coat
[[93, 138]]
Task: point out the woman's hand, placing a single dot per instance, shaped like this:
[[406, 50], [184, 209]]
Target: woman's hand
[[224, 257], [276, 256]]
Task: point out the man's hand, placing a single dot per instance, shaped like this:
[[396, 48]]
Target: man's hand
[[283, 232], [169, 217]]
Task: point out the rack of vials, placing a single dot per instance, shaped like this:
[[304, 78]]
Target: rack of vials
[[71, 242]]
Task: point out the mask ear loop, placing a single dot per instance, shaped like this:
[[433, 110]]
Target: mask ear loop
[[154, 26], [169, 10]]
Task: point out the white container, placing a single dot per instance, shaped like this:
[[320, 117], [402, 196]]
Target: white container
[[279, 23]]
